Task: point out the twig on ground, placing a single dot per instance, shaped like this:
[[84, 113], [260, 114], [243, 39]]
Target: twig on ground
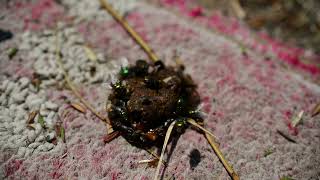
[[286, 136], [64, 155], [297, 119], [315, 110], [237, 9], [72, 86], [147, 161], [150, 162], [194, 123], [211, 139], [31, 117], [225, 163], [130, 30], [78, 107], [156, 156], [267, 152], [90, 53], [166, 140]]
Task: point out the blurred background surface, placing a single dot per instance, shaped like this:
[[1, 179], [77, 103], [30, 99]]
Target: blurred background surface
[[296, 22]]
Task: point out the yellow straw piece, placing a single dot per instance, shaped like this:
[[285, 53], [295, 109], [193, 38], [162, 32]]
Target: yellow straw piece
[[72, 86], [210, 137], [166, 140], [225, 163], [130, 30]]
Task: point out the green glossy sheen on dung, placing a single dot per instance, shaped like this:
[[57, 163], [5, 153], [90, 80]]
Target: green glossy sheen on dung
[[124, 71], [181, 103]]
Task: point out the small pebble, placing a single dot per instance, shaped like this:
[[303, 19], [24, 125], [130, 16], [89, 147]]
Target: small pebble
[[34, 145], [24, 82], [21, 152], [4, 85], [40, 138], [52, 106], [19, 97]]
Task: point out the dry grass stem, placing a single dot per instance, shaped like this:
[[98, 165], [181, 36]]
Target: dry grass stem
[[79, 107], [130, 30], [166, 140], [211, 139], [90, 53], [72, 86], [194, 123], [286, 136], [31, 117], [156, 156], [237, 9], [297, 119], [316, 110]]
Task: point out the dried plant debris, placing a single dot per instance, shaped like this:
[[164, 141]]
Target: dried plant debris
[[151, 162], [287, 137], [31, 117], [42, 48], [316, 110], [297, 119], [147, 98], [90, 54], [237, 9], [25, 114], [79, 107], [267, 152]]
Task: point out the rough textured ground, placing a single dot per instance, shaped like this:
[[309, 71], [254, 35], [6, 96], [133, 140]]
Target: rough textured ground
[[246, 96]]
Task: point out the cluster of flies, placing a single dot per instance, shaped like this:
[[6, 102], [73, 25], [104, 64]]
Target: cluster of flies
[[147, 98]]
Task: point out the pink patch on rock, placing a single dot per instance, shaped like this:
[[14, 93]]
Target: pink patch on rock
[[18, 70], [137, 21], [288, 116], [12, 167], [57, 166], [294, 131], [196, 12], [181, 4], [40, 14]]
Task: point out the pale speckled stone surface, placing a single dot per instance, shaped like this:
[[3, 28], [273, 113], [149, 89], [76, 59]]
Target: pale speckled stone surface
[[246, 99]]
